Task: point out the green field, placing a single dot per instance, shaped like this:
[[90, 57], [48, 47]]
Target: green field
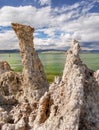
[[53, 62]]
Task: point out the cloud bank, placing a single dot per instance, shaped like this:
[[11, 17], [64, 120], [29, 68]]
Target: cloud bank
[[54, 27]]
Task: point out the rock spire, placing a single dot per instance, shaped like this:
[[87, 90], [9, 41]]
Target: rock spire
[[70, 103], [33, 72]]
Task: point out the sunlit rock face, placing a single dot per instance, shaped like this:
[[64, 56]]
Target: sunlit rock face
[[28, 103], [72, 104], [33, 73]]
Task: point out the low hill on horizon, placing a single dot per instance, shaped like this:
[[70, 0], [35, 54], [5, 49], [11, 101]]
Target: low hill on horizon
[[48, 50]]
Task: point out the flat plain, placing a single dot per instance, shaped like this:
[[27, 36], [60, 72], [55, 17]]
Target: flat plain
[[53, 62]]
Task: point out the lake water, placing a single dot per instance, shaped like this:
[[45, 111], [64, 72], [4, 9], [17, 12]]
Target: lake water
[[53, 62]]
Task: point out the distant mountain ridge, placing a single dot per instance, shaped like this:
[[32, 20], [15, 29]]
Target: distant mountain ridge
[[48, 50], [10, 51], [90, 51], [16, 50]]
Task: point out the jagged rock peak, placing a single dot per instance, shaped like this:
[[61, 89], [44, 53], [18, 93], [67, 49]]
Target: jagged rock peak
[[71, 59], [26, 28], [75, 47], [69, 104], [33, 72], [72, 104]]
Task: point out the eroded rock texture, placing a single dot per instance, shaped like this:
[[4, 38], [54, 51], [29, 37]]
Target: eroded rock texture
[[4, 67], [33, 74], [71, 103]]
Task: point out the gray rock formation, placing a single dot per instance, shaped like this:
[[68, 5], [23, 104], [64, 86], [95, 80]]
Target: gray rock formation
[[71, 103]]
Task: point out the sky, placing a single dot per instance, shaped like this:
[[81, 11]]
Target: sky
[[56, 23]]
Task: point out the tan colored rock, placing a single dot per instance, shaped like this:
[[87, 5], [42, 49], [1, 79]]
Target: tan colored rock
[[10, 89], [21, 125], [75, 100], [3, 115], [33, 73], [8, 127], [4, 67], [71, 103], [10, 83]]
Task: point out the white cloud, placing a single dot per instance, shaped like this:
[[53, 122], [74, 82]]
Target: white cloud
[[59, 24], [8, 40], [45, 2]]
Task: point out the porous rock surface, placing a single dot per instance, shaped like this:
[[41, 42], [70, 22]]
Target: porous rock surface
[[33, 72], [27, 102], [4, 67]]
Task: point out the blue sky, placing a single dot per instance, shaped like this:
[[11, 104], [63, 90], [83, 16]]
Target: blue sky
[[56, 22]]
